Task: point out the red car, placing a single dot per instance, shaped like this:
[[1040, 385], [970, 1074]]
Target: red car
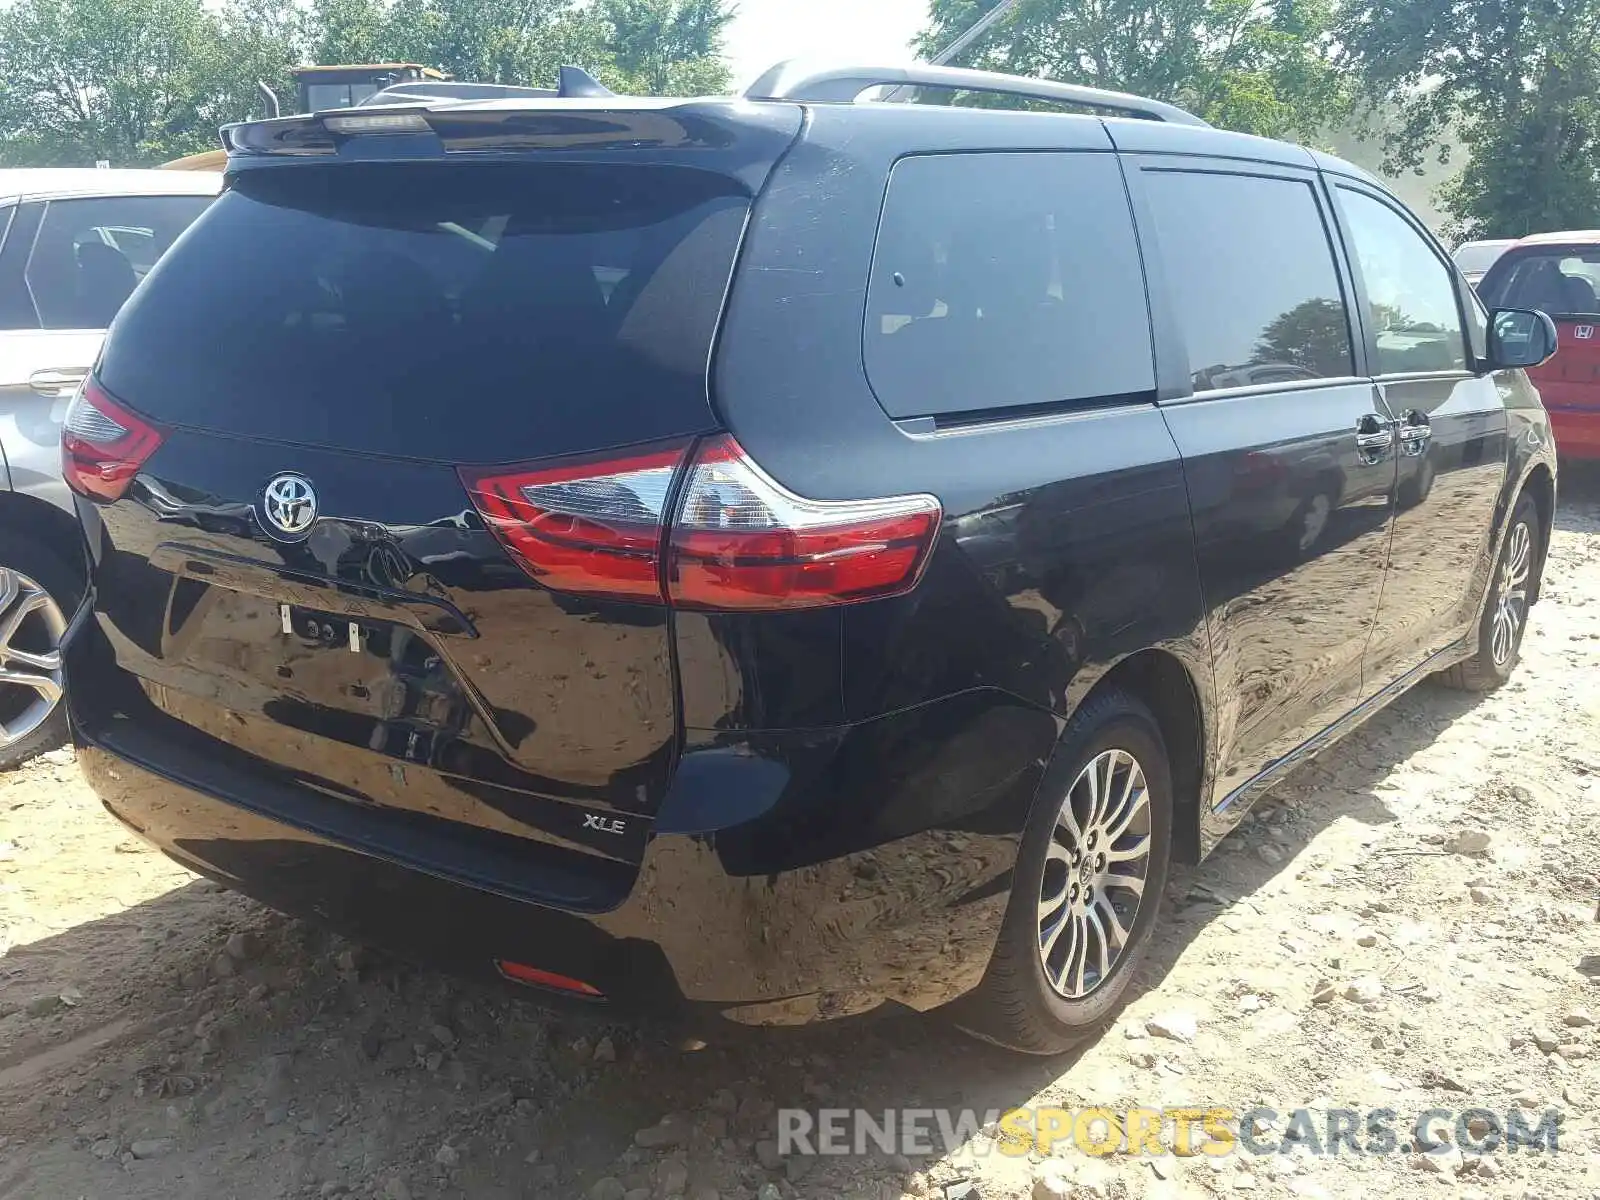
[[1559, 273]]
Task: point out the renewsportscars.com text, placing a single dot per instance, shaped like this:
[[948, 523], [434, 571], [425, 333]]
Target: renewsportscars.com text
[[1160, 1131]]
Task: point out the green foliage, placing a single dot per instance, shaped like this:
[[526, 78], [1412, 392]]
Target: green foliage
[[1519, 80], [666, 47], [490, 41], [125, 80], [143, 81], [347, 31], [1260, 66]]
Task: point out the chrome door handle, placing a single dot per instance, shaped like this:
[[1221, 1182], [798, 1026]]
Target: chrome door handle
[[56, 384], [1379, 439], [1414, 433]]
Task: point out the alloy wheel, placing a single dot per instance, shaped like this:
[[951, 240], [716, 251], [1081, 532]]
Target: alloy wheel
[[1511, 594], [31, 628], [1094, 874]]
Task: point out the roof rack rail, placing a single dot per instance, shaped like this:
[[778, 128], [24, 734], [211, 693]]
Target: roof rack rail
[[843, 85], [574, 82]]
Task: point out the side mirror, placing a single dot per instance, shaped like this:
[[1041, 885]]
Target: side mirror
[[1520, 337]]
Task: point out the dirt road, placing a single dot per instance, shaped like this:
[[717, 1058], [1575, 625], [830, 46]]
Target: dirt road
[[1408, 924]]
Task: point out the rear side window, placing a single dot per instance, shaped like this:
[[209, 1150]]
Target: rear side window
[[1004, 280], [1560, 281], [463, 313], [1252, 276], [91, 253]]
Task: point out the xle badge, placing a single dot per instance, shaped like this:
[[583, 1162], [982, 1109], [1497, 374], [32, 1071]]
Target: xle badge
[[604, 824]]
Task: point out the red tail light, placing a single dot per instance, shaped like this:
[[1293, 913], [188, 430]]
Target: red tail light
[[592, 526], [103, 445], [741, 540]]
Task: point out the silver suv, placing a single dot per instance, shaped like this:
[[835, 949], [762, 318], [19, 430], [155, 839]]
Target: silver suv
[[74, 243]]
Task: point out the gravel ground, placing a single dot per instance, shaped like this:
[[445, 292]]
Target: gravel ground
[[1406, 924]]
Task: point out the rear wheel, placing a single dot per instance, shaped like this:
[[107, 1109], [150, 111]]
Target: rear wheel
[[1087, 887], [1505, 613], [34, 589]]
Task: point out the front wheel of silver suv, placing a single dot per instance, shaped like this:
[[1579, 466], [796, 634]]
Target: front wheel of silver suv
[[35, 590]]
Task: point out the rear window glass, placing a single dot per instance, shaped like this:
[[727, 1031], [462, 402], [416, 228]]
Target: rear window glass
[[1561, 282], [1474, 258], [1004, 280], [467, 313]]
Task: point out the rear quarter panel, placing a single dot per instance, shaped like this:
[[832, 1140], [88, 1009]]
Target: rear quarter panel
[[1066, 543]]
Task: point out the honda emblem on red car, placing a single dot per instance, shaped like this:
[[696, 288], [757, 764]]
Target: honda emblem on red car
[[1583, 332]]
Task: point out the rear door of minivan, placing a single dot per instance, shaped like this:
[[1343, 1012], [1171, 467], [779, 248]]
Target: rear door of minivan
[[367, 367], [1288, 457]]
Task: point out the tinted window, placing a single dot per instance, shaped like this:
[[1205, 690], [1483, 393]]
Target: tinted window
[[1561, 282], [322, 96], [90, 254], [1002, 280], [1412, 294], [468, 313], [1252, 277]]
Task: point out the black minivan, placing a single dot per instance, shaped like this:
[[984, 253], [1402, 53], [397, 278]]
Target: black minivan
[[780, 556]]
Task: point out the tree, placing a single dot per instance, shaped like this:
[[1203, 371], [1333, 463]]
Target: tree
[[123, 80], [262, 40], [491, 41], [1261, 66], [141, 81], [667, 47], [1519, 80], [347, 31]]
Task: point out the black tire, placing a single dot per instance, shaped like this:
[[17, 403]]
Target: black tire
[[46, 567], [1016, 1005], [1485, 671]]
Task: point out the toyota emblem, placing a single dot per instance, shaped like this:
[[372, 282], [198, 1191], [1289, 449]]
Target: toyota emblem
[[289, 505]]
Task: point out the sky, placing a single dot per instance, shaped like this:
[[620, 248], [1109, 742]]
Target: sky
[[865, 31]]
